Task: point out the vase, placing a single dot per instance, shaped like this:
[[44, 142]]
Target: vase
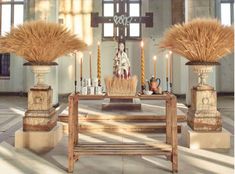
[[202, 71], [40, 72]]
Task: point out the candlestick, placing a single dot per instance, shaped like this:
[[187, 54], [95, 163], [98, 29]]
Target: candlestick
[[75, 72], [155, 66], [98, 64], [142, 67], [81, 62], [90, 65], [167, 64]]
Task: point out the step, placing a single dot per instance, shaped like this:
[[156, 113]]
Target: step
[[126, 118], [110, 126]]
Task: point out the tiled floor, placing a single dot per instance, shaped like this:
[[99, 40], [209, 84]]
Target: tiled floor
[[190, 161]]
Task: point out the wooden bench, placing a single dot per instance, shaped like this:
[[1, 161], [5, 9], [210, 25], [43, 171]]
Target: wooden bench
[[168, 148]]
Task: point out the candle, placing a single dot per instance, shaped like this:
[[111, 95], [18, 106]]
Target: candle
[[90, 65], [98, 64], [171, 65], [167, 64], [75, 66], [155, 66], [142, 65], [75, 72], [81, 62]]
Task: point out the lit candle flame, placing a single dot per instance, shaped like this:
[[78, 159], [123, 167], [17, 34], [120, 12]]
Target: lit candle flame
[[155, 58], [98, 43], [142, 44]]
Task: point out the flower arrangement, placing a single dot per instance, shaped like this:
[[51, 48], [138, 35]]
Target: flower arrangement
[[201, 41], [40, 42]]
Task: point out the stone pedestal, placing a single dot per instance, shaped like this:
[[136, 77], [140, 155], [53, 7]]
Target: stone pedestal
[[205, 140], [39, 141], [40, 131], [203, 114], [40, 116]]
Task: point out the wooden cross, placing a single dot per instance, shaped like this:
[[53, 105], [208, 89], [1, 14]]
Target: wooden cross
[[121, 20]]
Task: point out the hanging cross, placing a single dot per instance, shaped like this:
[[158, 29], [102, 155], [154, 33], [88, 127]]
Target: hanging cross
[[121, 20]]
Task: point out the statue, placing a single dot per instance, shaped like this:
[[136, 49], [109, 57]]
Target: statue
[[121, 83], [121, 66]]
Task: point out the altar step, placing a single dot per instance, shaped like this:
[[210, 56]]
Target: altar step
[[118, 127], [126, 118], [120, 123]]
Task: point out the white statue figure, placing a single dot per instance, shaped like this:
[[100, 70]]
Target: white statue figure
[[121, 67]]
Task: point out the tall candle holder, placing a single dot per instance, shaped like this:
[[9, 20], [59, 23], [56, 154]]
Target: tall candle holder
[[167, 81], [171, 84]]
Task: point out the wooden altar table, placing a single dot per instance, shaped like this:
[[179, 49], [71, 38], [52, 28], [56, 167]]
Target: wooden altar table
[[167, 148]]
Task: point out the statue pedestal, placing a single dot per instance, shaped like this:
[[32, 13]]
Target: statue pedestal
[[39, 141], [205, 140], [127, 104], [203, 114], [204, 128], [40, 129]]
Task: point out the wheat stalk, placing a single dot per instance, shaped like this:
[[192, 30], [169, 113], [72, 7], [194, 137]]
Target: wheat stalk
[[40, 42], [200, 40], [121, 87]]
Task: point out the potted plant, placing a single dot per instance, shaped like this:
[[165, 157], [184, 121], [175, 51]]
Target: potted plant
[[40, 43], [203, 42]]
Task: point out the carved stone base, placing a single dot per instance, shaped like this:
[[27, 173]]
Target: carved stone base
[[203, 114], [204, 123], [39, 122], [40, 116]]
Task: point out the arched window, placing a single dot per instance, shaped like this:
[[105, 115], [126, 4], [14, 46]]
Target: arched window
[[11, 14]]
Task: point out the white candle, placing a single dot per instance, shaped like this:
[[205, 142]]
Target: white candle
[[171, 65], [81, 61], [90, 65], [167, 64], [155, 66]]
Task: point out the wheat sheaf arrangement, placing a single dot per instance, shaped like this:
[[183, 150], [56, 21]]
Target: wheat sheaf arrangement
[[201, 41], [121, 87], [40, 42]]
